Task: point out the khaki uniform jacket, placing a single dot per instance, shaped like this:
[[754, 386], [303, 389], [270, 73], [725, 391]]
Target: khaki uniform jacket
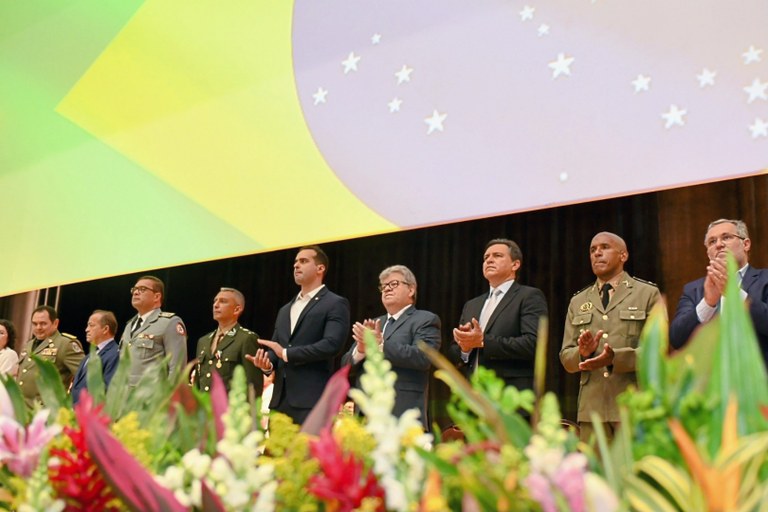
[[63, 350], [162, 333], [230, 353], [622, 321]]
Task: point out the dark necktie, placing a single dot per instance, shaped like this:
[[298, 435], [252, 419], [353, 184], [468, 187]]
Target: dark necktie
[[390, 321], [605, 294], [136, 324]]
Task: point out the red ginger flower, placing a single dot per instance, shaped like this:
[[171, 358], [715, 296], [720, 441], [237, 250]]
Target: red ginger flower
[[343, 485], [73, 475]]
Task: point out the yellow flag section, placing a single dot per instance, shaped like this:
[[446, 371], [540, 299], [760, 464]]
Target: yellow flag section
[[202, 96]]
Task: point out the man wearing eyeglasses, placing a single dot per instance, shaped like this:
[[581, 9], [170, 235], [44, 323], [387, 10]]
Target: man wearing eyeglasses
[[700, 301], [152, 334], [397, 333], [498, 329], [309, 333]]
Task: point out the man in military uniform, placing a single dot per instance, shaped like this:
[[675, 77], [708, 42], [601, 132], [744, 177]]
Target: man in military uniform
[[63, 350], [225, 348], [602, 331], [152, 334]]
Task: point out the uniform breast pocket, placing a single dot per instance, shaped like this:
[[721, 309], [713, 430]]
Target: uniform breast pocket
[[584, 319], [147, 347], [633, 320]]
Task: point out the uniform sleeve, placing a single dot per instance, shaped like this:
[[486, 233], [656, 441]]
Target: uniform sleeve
[[569, 352], [253, 375], [71, 356], [175, 339]]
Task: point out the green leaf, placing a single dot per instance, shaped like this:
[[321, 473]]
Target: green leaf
[[50, 386], [673, 480], [652, 354], [95, 377], [17, 399], [643, 497]]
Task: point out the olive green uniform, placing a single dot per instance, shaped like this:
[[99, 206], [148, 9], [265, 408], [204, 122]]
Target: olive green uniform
[[230, 352], [63, 350], [621, 322]]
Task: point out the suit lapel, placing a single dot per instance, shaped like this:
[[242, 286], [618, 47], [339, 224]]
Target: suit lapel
[[311, 304], [621, 292], [503, 303], [397, 323], [750, 278]]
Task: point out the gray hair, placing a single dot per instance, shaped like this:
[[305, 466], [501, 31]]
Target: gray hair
[[239, 297], [741, 228], [408, 277]]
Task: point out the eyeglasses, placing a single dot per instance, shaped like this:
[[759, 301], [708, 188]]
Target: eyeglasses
[[391, 285], [726, 238], [142, 289]]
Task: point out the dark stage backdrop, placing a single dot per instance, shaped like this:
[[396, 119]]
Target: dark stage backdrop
[[664, 232]]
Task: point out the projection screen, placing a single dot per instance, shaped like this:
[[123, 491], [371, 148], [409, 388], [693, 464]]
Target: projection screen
[[145, 134]]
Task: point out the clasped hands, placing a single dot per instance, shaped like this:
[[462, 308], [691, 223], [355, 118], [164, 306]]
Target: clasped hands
[[588, 345], [714, 283], [469, 335], [359, 329]]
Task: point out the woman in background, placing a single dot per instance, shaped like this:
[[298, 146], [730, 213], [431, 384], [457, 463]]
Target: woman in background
[[9, 359]]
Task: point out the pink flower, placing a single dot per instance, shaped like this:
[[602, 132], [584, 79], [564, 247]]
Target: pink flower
[[20, 447]]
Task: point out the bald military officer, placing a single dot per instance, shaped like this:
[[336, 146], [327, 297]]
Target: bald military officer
[[152, 334], [47, 343], [602, 332], [224, 349]]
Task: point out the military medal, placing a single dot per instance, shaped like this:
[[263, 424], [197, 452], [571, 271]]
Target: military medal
[[218, 359]]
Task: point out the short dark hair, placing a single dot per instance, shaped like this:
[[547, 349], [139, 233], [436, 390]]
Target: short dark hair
[[159, 285], [514, 250], [52, 314], [107, 318], [320, 257], [11, 331]]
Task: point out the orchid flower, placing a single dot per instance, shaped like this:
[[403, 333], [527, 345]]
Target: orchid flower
[[20, 447]]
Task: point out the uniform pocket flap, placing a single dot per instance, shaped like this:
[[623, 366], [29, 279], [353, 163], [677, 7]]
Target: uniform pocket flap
[[582, 319], [631, 314], [144, 343]]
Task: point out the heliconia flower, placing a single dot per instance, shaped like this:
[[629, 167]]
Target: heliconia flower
[[20, 447], [73, 474], [343, 483]]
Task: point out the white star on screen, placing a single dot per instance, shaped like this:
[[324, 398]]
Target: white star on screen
[[759, 128], [375, 38], [707, 77], [404, 75], [394, 105], [561, 66], [435, 121], [642, 83], [320, 95], [543, 30], [757, 90], [674, 117], [752, 55], [527, 13], [350, 63]]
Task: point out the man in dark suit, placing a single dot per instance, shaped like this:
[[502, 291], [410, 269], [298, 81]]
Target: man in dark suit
[[309, 333], [225, 348], [700, 301], [498, 329], [397, 333], [100, 333]]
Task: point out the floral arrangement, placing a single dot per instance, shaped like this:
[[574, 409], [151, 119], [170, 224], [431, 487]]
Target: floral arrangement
[[694, 437]]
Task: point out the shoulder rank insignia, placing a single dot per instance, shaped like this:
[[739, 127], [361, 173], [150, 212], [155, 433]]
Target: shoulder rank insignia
[[582, 290], [167, 314], [67, 335], [646, 282]]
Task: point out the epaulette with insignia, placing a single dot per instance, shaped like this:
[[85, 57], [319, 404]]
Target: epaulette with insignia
[[67, 335], [167, 314], [583, 289], [646, 282]]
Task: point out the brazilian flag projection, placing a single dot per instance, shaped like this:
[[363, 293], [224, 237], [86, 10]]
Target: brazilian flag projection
[[146, 134], [142, 134]]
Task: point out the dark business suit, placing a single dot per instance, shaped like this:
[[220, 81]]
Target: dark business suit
[[755, 283], [110, 356], [409, 363], [317, 339], [509, 337]]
